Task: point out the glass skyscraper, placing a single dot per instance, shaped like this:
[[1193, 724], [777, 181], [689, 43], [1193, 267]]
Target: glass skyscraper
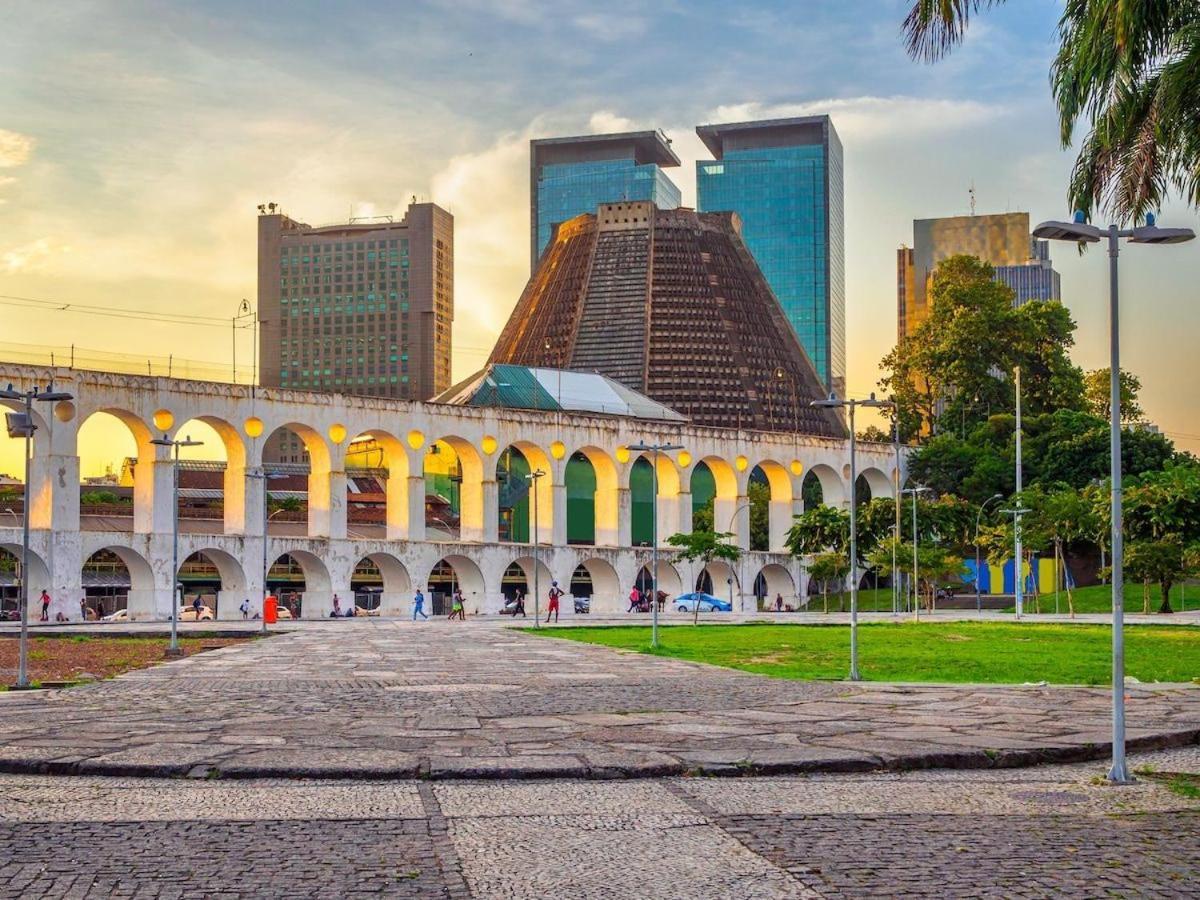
[[783, 177], [574, 175]]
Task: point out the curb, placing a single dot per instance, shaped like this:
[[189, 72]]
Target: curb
[[568, 767]]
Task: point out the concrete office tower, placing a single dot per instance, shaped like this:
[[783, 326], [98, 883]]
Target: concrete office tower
[[573, 175], [361, 308], [1020, 260], [783, 177], [671, 304]]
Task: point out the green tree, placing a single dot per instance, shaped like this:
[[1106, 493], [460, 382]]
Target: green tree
[[818, 530], [1132, 71], [758, 494], [1097, 391], [876, 434], [830, 567], [706, 547], [1159, 561]]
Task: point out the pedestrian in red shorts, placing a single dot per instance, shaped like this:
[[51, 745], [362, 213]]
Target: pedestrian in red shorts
[[555, 593]]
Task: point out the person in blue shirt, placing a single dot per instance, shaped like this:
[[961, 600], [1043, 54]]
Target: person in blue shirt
[[419, 606]]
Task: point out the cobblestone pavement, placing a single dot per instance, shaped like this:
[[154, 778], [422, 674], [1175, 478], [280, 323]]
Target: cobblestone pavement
[[1047, 831], [443, 700]]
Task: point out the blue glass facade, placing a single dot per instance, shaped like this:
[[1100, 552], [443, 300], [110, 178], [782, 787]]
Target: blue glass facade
[[790, 201], [564, 190]]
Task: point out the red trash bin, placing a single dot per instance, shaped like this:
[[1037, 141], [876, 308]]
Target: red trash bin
[[270, 610]]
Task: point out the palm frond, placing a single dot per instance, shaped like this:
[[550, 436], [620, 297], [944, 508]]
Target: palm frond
[[933, 27]]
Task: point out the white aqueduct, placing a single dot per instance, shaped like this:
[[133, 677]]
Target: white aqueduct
[[328, 550]]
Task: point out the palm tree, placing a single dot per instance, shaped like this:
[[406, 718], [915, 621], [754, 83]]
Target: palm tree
[[1132, 71]]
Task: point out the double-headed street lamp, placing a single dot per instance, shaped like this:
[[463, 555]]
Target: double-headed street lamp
[[919, 489], [1080, 232], [533, 487], [832, 402], [654, 450], [176, 593], [978, 516], [21, 425]]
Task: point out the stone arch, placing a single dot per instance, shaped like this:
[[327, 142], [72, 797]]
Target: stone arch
[[37, 579], [463, 572], [878, 482], [668, 580], [833, 489], [525, 566], [383, 450], [396, 588], [323, 504], [142, 600], [606, 521], [233, 487], [515, 507], [780, 503], [149, 478], [605, 585], [469, 480], [716, 576], [233, 584], [316, 600], [641, 498], [727, 513], [774, 579]]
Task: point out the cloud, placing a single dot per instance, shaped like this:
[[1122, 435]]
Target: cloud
[[25, 257], [15, 149], [612, 27], [870, 119], [606, 121]]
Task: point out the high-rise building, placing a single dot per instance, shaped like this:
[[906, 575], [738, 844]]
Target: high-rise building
[[1020, 261], [573, 175], [360, 308], [671, 304], [783, 177]]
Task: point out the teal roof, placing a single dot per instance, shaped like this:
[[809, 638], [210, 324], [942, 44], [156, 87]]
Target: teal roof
[[525, 387]]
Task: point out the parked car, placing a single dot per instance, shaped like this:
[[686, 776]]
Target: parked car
[[188, 614], [121, 615], [687, 603], [363, 611], [282, 612], [583, 604]]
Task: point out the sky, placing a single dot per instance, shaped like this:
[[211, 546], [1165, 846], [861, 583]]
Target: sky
[[137, 139]]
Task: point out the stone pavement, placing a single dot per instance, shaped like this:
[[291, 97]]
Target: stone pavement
[[1049, 831], [443, 700]]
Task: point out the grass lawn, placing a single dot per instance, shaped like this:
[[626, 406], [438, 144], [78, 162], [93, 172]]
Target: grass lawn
[[911, 651]]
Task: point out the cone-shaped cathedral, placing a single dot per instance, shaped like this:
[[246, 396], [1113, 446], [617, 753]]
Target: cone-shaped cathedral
[[671, 304]]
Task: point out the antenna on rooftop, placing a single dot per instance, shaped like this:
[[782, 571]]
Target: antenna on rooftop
[[971, 192]]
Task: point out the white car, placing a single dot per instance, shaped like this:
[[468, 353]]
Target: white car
[[121, 615]]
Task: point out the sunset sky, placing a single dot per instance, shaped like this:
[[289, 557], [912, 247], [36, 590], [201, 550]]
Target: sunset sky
[[136, 140]]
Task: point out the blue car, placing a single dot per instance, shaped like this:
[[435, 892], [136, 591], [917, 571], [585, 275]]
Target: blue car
[[708, 603]]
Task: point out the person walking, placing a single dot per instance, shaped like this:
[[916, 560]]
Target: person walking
[[456, 606], [555, 593], [635, 600], [196, 604], [779, 603], [419, 606], [45, 607], [245, 608], [519, 604], [337, 607]]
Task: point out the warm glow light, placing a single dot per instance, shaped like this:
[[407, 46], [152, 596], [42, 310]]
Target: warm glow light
[[416, 439], [337, 432], [685, 458], [846, 471], [741, 462], [797, 467], [558, 449], [488, 444], [64, 410], [622, 454], [253, 426], [163, 419]]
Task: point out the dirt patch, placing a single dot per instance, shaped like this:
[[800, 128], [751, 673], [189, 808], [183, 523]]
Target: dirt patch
[[778, 658], [66, 657]]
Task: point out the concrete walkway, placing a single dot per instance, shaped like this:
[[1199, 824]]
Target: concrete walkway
[[374, 699]]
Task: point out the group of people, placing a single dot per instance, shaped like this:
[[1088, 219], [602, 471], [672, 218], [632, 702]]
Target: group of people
[[555, 596], [639, 600], [457, 607]]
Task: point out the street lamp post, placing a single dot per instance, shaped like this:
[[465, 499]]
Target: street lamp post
[[919, 489], [978, 516], [176, 594], [832, 402], [654, 450], [1079, 231], [21, 425], [267, 478], [896, 488], [533, 484], [1018, 570]]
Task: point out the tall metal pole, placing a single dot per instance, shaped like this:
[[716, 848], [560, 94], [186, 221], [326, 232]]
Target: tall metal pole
[[1119, 771], [537, 611], [176, 598], [1019, 573], [916, 580], [854, 676], [895, 559], [654, 557], [23, 668], [978, 516], [266, 524]]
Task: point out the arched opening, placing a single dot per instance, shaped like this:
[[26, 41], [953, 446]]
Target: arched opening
[[810, 491], [217, 579], [453, 490], [123, 580], [597, 581], [772, 506], [669, 581], [381, 585], [301, 583], [862, 490], [774, 586], [829, 488], [455, 572], [878, 483], [38, 578], [212, 477], [377, 483], [642, 499], [718, 579], [714, 496], [515, 495], [519, 577], [592, 500], [300, 452], [758, 495], [117, 471]]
